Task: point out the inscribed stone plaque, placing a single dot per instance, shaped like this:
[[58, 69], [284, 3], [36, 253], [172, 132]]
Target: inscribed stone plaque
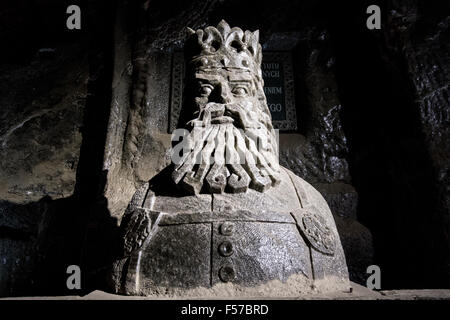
[[279, 89]]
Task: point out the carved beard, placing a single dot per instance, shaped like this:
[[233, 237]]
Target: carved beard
[[228, 150]]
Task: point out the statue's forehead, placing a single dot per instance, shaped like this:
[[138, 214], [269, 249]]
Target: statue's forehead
[[224, 75]]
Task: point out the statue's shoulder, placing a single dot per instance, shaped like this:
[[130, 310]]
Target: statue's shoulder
[[307, 194], [317, 225]]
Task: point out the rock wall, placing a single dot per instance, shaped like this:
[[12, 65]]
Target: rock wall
[[420, 35], [401, 198], [43, 94]]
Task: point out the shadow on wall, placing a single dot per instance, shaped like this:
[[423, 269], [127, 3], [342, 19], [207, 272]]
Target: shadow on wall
[[389, 160], [39, 240]]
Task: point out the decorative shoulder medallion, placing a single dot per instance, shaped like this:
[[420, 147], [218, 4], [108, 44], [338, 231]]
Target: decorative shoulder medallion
[[316, 230], [135, 229]]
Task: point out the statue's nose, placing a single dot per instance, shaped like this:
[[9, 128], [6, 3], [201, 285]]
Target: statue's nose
[[223, 95]]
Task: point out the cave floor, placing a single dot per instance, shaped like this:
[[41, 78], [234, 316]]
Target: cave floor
[[358, 293]]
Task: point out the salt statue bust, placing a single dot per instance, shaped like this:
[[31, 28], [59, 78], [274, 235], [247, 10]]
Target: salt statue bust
[[225, 219]]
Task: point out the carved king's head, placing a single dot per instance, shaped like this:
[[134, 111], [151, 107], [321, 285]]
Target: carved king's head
[[232, 145]]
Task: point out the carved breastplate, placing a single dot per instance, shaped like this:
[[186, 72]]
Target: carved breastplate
[[179, 244], [202, 249]]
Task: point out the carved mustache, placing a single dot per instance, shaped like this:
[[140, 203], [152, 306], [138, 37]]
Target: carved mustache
[[221, 113]]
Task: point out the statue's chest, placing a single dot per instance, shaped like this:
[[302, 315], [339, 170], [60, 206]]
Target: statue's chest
[[203, 249]]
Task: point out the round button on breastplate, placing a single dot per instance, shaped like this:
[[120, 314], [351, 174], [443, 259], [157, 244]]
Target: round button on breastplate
[[226, 229], [226, 274], [226, 249]]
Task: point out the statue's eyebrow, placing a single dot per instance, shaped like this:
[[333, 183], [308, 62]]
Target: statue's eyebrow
[[209, 77], [240, 77]]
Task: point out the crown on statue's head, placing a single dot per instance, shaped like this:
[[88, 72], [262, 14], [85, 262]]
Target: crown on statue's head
[[228, 48]]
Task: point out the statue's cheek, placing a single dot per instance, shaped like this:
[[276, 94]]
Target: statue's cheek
[[201, 101], [251, 108]]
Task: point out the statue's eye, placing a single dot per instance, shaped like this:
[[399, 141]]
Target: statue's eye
[[205, 90], [240, 91]]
